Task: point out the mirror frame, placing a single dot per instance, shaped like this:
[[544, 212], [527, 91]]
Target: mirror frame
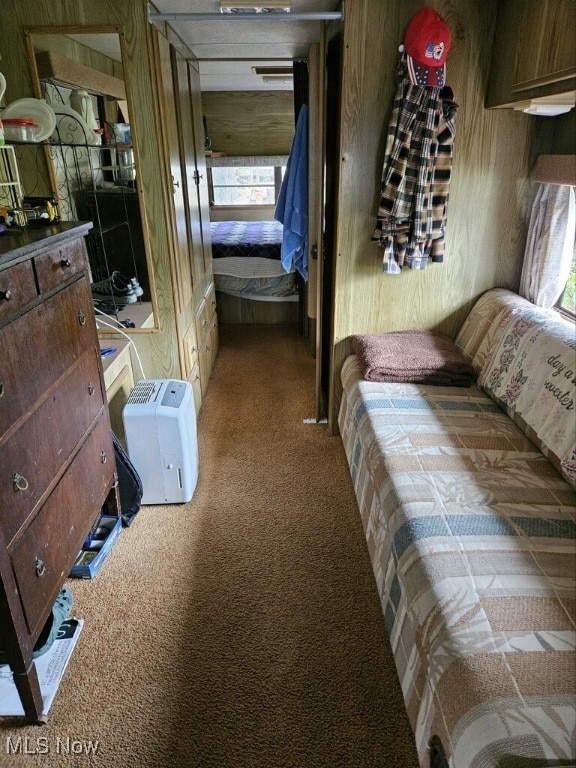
[[65, 31]]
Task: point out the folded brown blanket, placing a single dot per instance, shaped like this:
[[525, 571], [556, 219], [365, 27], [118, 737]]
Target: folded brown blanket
[[419, 357]]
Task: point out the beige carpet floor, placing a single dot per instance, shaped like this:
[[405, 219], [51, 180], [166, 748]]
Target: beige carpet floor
[[243, 629]]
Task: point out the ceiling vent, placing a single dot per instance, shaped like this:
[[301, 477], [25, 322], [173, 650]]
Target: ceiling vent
[[248, 6], [273, 71]]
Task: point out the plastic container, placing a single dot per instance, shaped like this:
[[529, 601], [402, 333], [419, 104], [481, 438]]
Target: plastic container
[[122, 134], [20, 129]]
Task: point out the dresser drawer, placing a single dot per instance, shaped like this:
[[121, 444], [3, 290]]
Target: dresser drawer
[[56, 266], [17, 288], [39, 347], [44, 556], [31, 458]]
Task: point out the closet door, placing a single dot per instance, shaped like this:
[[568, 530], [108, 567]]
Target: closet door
[[177, 208], [202, 190], [188, 160]]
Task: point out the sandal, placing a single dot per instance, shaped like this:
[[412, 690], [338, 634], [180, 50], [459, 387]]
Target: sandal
[[59, 614]]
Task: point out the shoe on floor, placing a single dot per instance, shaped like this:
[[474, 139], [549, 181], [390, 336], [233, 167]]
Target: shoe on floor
[[60, 612], [127, 282], [109, 291]]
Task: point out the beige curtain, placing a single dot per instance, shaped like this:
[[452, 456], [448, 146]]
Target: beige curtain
[[550, 245]]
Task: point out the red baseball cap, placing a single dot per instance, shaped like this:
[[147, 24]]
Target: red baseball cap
[[427, 43]]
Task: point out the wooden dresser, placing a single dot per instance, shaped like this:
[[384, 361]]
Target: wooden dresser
[[57, 466]]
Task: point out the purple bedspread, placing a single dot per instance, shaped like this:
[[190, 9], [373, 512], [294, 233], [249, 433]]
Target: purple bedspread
[[246, 238]]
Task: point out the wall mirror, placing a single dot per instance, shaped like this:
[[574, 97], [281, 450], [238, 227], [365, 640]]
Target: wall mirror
[[93, 162]]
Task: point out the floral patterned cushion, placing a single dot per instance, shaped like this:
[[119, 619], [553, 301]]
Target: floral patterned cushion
[[530, 371]]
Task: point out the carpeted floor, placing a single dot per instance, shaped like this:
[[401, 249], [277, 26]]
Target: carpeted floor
[[241, 630]]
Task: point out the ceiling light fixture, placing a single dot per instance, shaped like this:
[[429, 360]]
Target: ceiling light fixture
[[250, 6], [240, 10]]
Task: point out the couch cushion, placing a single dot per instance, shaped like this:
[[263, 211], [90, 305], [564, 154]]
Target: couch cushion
[[483, 321], [530, 371]]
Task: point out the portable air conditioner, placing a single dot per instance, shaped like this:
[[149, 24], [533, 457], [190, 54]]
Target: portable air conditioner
[[160, 426]]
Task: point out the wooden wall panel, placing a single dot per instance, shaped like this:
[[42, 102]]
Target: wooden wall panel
[[490, 192], [250, 122]]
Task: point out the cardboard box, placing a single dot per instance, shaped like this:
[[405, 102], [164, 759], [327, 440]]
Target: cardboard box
[[90, 558]]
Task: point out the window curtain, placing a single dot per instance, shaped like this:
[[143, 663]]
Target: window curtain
[[550, 245]]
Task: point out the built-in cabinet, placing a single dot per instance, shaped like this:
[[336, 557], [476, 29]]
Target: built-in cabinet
[[206, 324], [534, 52], [183, 152]]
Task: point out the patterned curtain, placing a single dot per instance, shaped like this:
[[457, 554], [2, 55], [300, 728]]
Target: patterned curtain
[[550, 245]]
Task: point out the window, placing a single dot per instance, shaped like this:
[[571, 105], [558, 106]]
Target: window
[[245, 185], [567, 302]]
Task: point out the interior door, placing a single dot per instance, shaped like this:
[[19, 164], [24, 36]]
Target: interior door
[[332, 164], [177, 211], [185, 119]]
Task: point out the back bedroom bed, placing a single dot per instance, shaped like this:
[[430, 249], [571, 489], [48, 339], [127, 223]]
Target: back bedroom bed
[[252, 285]]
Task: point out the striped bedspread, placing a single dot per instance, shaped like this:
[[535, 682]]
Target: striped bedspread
[[472, 537]]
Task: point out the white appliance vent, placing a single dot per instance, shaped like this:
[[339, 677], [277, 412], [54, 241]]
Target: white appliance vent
[[160, 426], [142, 392]]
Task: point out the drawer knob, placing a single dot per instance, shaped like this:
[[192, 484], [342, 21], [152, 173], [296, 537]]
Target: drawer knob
[[81, 318], [91, 389], [40, 567], [6, 295], [1, 388], [64, 263], [103, 457], [19, 482]]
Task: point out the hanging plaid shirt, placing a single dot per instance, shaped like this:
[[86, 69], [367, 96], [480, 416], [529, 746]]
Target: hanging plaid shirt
[[416, 176]]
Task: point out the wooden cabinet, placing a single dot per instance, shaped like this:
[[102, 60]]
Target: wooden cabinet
[[57, 466], [534, 52], [548, 44], [187, 210], [206, 322]]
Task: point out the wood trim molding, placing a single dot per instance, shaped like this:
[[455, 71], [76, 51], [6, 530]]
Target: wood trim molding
[[554, 77]]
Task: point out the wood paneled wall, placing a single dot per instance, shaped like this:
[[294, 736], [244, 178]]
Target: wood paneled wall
[[490, 192], [250, 122]]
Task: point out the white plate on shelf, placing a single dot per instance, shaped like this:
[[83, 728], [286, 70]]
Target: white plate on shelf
[[39, 110], [71, 128]]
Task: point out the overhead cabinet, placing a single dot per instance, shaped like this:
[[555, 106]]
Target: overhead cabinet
[[534, 52]]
